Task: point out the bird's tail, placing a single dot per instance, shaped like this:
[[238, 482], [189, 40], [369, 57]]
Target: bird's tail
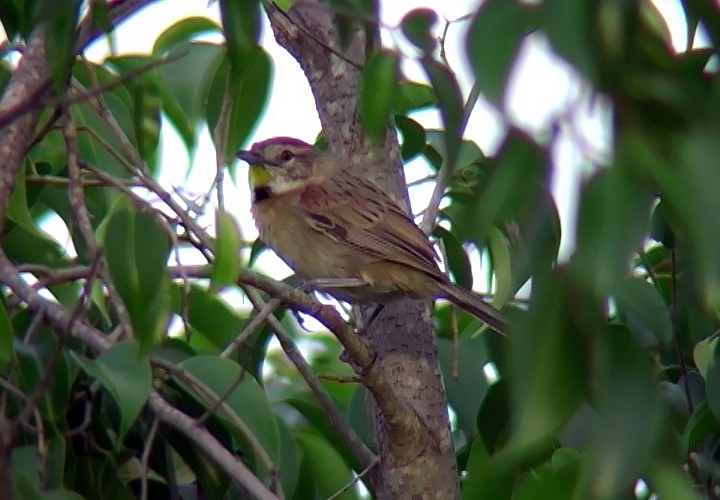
[[476, 306]]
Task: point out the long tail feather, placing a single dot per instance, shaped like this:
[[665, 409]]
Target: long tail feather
[[476, 306]]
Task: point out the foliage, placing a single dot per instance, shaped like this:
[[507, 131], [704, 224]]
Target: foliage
[[611, 379]]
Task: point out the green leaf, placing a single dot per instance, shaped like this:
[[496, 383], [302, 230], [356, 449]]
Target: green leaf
[[494, 416], [495, 35], [450, 104], [605, 246], [550, 482], [319, 419], [378, 88], [6, 336], [33, 361], [413, 137], [146, 119], [457, 259], [499, 248], [413, 96], [183, 31], [187, 84], [238, 101], [703, 354], [466, 392], [712, 382], [125, 372], [669, 481], [227, 264], [60, 20], [247, 400], [484, 479], [241, 26], [515, 175], [569, 27], [630, 429], [289, 462], [327, 468], [137, 248], [702, 425], [417, 26], [644, 312], [547, 362]]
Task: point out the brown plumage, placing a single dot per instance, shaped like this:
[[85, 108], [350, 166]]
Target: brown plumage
[[331, 225]]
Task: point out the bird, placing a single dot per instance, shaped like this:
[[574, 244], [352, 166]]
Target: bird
[[344, 234]]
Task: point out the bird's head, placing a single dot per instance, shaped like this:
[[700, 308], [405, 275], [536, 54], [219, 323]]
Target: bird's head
[[280, 165]]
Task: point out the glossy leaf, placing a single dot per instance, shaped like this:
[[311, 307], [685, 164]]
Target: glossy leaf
[[227, 263], [183, 31], [378, 88], [247, 400], [125, 372], [235, 103], [137, 248], [187, 83]]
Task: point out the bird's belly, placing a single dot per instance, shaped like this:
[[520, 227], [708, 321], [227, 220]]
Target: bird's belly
[[309, 253], [314, 255]]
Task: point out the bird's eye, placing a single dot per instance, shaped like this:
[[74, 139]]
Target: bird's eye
[[286, 155]]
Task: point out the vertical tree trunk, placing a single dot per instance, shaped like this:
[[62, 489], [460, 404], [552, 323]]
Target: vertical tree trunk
[[411, 465]]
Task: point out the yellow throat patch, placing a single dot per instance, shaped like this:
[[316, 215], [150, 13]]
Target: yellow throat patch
[[258, 176]]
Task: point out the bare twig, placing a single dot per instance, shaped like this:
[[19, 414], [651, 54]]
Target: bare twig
[[354, 480], [252, 327], [428, 221], [145, 459], [362, 454], [168, 414]]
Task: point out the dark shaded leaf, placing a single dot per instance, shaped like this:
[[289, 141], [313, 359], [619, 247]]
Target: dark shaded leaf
[[247, 400], [413, 137], [417, 26], [413, 96], [450, 104], [126, 374]]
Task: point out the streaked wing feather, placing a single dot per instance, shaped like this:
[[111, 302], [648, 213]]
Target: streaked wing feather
[[357, 213]]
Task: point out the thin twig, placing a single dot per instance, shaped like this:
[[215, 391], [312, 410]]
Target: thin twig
[[360, 452], [354, 480], [145, 459], [428, 221], [252, 327], [210, 397]]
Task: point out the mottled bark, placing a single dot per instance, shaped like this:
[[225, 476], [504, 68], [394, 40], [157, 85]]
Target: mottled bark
[[417, 460]]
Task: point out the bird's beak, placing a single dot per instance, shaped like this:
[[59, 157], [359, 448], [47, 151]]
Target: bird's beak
[[250, 157]]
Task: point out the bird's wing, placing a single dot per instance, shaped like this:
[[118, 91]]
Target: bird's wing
[[355, 212]]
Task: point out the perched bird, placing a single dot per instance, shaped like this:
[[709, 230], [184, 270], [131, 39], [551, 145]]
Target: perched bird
[[344, 233]]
